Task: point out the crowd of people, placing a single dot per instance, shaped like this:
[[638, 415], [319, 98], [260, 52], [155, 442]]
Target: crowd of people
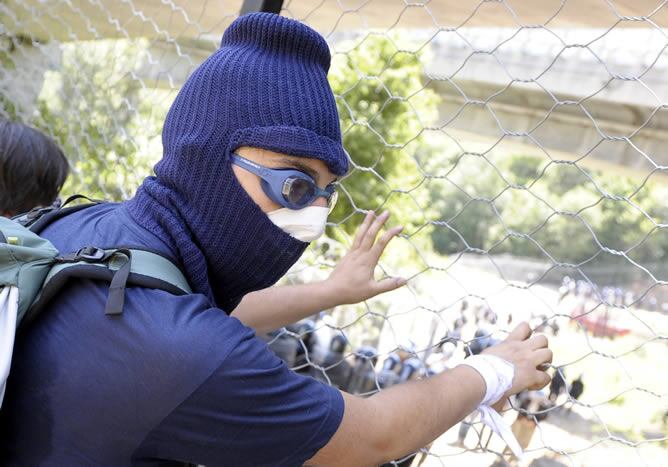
[[613, 296]]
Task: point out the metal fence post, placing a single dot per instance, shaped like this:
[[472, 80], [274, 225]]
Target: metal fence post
[[265, 6]]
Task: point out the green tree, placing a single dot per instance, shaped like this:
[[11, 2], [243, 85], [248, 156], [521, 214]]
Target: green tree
[[466, 205], [521, 207], [621, 221], [383, 106], [522, 169], [92, 106], [8, 46]]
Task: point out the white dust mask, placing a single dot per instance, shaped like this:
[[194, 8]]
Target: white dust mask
[[304, 224]]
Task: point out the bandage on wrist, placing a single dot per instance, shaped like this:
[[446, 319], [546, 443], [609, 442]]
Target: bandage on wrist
[[498, 375]]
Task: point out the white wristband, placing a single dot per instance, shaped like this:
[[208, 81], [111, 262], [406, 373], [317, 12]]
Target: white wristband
[[498, 375]]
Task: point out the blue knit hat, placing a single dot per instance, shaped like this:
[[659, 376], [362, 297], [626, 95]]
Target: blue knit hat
[[271, 76], [288, 105], [265, 87]]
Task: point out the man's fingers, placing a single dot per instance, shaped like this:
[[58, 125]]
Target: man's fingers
[[538, 341], [370, 234], [543, 366], [542, 380], [520, 333], [389, 284], [361, 230], [384, 239], [542, 356]]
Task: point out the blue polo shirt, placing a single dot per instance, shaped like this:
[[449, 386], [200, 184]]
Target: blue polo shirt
[[172, 380]]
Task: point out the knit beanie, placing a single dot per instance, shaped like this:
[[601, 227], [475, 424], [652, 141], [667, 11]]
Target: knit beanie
[[266, 87]]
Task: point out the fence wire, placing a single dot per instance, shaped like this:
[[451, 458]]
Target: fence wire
[[521, 143]]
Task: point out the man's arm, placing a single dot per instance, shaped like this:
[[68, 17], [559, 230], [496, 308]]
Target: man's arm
[[404, 418], [352, 281], [401, 419], [274, 307]]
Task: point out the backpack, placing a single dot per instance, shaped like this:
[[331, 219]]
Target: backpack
[[32, 271]]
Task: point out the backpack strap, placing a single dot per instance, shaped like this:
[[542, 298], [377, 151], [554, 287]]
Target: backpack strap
[[119, 266], [40, 218]]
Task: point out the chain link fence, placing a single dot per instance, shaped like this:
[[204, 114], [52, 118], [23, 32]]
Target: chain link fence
[[521, 143]]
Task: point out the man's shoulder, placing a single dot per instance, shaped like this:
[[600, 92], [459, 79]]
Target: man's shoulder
[[103, 225], [162, 329], [191, 315], [117, 375], [156, 318], [168, 344], [182, 335]]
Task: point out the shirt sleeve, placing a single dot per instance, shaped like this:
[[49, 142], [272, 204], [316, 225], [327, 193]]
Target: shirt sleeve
[[252, 410]]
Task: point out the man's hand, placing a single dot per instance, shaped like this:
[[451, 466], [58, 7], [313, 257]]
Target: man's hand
[[352, 279], [529, 355]]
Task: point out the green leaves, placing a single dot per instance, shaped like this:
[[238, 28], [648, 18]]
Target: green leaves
[[96, 108], [383, 106], [527, 208]]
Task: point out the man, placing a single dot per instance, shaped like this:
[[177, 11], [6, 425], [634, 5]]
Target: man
[[558, 384], [534, 407], [33, 169], [251, 146]]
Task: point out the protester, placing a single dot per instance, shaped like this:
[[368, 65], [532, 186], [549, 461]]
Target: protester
[[575, 390], [558, 384], [33, 169], [252, 144], [534, 407]]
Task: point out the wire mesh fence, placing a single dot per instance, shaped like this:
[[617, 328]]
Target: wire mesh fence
[[521, 143]]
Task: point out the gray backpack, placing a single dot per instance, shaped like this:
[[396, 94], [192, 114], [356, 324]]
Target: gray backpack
[[32, 271]]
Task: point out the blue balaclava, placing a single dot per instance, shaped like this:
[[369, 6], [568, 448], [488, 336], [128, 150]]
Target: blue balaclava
[[265, 87]]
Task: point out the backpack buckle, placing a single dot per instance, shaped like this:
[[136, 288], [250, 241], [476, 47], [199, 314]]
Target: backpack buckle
[[90, 253]]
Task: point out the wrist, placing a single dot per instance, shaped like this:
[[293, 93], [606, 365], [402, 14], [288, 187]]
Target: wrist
[[332, 293], [475, 383], [497, 373]]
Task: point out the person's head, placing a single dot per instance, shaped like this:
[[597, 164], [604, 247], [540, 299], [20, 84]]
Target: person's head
[[314, 168], [406, 349], [33, 169], [338, 344], [262, 101], [296, 193], [262, 97]]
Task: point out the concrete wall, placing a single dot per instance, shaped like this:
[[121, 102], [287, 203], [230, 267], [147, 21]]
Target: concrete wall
[[548, 94], [193, 19]]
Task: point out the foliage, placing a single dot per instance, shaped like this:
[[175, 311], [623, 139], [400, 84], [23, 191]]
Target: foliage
[[383, 106], [527, 207], [8, 108], [95, 107]]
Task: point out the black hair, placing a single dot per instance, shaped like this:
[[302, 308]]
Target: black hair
[[33, 168]]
